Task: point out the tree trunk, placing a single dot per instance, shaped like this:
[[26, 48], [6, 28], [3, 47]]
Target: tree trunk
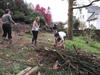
[[70, 20]]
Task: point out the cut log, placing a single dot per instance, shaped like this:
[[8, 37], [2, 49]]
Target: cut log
[[33, 71], [25, 71]]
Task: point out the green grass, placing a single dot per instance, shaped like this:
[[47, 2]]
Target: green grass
[[8, 69], [80, 42]]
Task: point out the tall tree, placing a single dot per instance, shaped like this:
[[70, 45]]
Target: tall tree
[[70, 16], [70, 19]]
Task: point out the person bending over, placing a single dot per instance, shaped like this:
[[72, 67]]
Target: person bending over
[[60, 36], [6, 26]]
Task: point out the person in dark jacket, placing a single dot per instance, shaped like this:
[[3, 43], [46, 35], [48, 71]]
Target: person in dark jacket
[[54, 28], [6, 26]]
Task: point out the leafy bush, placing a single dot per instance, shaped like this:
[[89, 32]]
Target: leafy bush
[[76, 24], [36, 13], [82, 25], [19, 16], [93, 27], [1, 12], [42, 20], [47, 16], [30, 18], [0, 29]]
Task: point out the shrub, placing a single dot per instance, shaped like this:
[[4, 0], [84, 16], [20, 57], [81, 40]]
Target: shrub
[[36, 13], [29, 19], [76, 24], [93, 27], [19, 16], [1, 12], [82, 25], [42, 20], [47, 16]]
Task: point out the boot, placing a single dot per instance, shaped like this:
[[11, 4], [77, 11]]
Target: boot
[[10, 41], [35, 43], [32, 43], [1, 42]]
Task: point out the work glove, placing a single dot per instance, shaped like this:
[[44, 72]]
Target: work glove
[[15, 24], [59, 46], [1, 22], [36, 29]]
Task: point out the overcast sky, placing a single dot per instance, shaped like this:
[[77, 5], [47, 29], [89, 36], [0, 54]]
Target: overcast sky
[[59, 8]]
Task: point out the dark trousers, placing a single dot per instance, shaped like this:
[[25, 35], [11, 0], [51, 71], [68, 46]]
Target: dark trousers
[[6, 30], [35, 35], [60, 39]]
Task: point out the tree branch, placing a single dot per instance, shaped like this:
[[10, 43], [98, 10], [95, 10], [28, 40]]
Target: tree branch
[[84, 5]]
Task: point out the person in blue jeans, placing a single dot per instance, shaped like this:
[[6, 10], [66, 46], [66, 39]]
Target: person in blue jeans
[[35, 29]]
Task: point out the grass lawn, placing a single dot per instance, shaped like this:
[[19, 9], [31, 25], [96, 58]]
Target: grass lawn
[[80, 43]]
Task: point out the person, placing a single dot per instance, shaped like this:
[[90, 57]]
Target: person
[[6, 26], [60, 36], [35, 29], [54, 28]]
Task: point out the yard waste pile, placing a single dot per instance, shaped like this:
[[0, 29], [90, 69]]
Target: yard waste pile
[[82, 62]]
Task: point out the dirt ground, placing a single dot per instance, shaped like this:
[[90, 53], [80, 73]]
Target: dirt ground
[[22, 50]]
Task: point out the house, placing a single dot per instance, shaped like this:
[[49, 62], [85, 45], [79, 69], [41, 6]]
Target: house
[[90, 15]]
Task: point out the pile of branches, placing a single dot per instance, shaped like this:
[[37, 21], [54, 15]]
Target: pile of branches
[[80, 61]]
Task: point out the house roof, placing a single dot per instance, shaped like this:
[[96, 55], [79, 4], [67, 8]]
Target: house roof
[[93, 16], [92, 8]]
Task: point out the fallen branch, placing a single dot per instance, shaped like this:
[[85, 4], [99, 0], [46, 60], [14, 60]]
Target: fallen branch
[[82, 62], [33, 71], [25, 71], [75, 49]]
